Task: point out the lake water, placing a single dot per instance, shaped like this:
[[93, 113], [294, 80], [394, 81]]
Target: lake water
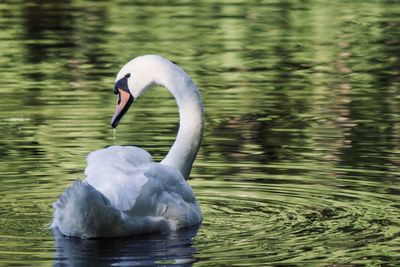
[[300, 163]]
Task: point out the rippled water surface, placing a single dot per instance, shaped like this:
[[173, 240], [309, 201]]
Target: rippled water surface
[[300, 160]]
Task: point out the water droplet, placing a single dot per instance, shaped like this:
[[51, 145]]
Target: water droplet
[[115, 136]]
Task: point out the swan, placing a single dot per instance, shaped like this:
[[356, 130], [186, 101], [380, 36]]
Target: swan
[[125, 192]]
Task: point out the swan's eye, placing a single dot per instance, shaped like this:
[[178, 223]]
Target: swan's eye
[[122, 84]]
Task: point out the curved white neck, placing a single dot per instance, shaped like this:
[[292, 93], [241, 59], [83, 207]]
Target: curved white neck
[[191, 115], [153, 69]]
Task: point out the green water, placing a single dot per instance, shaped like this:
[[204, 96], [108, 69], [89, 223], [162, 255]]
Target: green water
[[300, 161]]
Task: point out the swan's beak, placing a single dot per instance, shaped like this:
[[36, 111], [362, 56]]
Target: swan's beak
[[124, 101]]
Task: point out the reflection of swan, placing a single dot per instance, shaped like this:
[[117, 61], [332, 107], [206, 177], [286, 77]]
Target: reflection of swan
[[141, 250], [124, 192]]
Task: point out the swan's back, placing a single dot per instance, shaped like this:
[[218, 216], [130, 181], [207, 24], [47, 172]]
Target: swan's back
[[126, 193]]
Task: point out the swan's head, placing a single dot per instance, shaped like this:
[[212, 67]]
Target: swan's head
[[135, 77]]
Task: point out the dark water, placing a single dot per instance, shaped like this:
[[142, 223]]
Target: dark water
[[300, 160]]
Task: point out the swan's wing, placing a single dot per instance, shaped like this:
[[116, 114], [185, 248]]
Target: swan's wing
[[117, 172], [171, 181], [133, 184], [167, 194]]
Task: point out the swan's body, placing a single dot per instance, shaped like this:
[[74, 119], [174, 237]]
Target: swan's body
[[125, 192]]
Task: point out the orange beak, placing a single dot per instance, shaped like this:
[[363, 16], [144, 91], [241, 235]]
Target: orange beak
[[124, 101]]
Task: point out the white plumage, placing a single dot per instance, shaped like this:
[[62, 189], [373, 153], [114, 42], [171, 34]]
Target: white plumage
[[125, 192]]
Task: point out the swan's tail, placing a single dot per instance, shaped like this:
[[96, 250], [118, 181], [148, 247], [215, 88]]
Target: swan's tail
[[83, 211]]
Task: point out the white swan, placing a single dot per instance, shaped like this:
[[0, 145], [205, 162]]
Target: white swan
[[125, 192]]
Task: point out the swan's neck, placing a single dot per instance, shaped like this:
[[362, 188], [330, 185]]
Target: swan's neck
[[183, 152]]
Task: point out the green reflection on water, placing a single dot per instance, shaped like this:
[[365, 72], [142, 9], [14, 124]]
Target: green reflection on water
[[300, 160]]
